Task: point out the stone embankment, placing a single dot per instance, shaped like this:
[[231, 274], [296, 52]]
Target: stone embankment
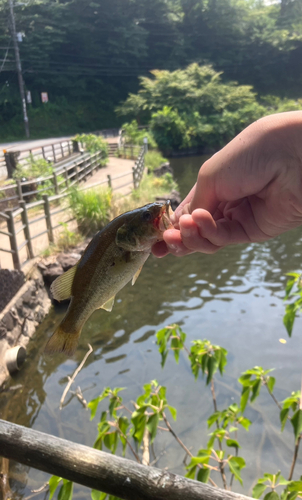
[[20, 316]]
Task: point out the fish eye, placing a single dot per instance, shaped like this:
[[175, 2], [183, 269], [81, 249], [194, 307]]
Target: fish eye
[[147, 216]]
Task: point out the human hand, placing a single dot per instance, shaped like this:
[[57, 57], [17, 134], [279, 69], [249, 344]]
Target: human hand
[[250, 191]]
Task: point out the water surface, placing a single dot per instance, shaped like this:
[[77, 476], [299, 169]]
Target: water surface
[[233, 298]]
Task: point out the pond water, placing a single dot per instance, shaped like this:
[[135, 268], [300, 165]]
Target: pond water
[[233, 298]]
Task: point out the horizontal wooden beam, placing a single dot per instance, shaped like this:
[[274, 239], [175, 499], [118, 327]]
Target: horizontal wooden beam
[[102, 471]]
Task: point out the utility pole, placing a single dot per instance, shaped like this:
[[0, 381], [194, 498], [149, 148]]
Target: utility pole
[[18, 66]]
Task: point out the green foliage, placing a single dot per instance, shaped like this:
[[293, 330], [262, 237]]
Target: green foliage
[[67, 239], [93, 143], [273, 481], [134, 135], [34, 168], [293, 294], [91, 208], [153, 160], [112, 47], [66, 489], [207, 358], [252, 381]]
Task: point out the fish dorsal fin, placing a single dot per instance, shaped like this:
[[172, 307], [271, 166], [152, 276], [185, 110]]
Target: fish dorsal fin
[[136, 275], [61, 287], [108, 305]]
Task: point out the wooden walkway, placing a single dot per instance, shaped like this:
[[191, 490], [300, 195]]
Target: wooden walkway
[[116, 167]]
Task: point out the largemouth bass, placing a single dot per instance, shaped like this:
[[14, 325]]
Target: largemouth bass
[[114, 256]]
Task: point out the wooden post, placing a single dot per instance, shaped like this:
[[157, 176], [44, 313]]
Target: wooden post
[[24, 216], [68, 143], [19, 189], [99, 470], [131, 152], [54, 153], [55, 182], [76, 172], [48, 219], [13, 238], [62, 150], [109, 181], [124, 150], [66, 177], [43, 152], [134, 175]]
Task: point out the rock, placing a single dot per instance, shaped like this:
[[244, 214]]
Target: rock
[[174, 198], [165, 168], [51, 273], [68, 260], [9, 321], [10, 283]]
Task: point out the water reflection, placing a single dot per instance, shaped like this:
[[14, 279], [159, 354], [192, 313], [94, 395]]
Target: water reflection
[[234, 298]]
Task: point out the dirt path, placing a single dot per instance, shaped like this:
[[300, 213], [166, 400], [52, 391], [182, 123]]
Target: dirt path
[[115, 167]]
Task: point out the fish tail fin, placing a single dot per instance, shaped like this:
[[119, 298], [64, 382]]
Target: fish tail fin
[[62, 341]]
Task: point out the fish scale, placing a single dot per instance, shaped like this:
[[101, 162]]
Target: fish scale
[[115, 255]]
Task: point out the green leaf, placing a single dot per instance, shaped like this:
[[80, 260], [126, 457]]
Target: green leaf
[[270, 383], [232, 442], [296, 422], [93, 405], [98, 495], [53, 484], [283, 417], [245, 422], [191, 473], [212, 367], [245, 379], [236, 464], [203, 475], [152, 426], [258, 490], [66, 490], [173, 412], [289, 318], [295, 486], [256, 389], [272, 495], [213, 418], [244, 397]]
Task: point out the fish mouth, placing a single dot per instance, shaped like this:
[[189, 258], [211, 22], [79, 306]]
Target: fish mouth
[[164, 217]]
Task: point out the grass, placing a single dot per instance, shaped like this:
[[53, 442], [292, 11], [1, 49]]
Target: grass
[[153, 160], [91, 209], [94, 208]]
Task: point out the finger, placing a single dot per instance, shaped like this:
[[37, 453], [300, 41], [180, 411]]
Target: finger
[[160, 249], [221, 232], [174, 243], [192, 237]]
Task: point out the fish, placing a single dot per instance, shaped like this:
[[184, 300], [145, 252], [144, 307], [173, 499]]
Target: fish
[[115, 256]]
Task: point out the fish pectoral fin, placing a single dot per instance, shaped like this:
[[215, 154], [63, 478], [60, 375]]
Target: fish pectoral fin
[[108, 305], [136, 275], [61, 287]]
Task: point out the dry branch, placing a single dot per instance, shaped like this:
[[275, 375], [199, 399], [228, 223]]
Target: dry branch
[[102, 471], [71, 379]]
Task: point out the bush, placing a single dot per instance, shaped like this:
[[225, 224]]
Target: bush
[[133, 135], [169, 129], [93, 143], [91, 209], [153, 160]]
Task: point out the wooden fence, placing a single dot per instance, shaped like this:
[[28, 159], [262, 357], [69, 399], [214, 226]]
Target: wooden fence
[[17, 225], [62, 177]]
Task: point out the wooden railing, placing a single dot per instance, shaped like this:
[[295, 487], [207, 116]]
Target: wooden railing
[[17, 224], [62, 177]]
